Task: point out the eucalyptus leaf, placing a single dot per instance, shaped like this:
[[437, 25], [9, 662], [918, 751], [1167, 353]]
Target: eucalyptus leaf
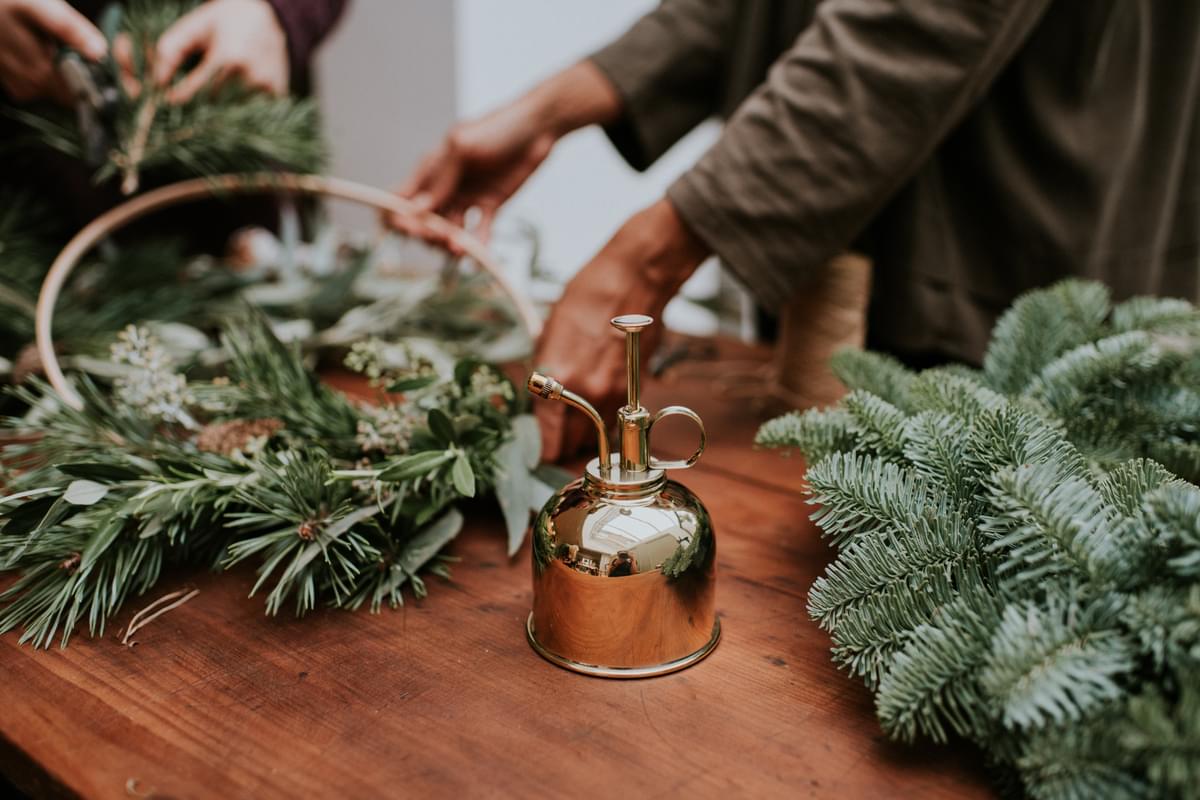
[[528, 436], [25, 494], [540, 494], [442, 427], [96, 470], [463, 476], [412, 384], [514, 492], [85, 493], [428, 541], [415, 465], [553, 476]]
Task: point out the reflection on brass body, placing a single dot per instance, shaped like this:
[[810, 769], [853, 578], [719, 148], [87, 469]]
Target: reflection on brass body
[[624, 559]]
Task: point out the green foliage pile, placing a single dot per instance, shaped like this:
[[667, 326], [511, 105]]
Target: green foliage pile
[[341, 504], [225, 129], [1018, 547]]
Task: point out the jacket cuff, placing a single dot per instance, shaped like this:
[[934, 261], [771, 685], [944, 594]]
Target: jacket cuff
[[305, 24], [770, 266], [657, 110]]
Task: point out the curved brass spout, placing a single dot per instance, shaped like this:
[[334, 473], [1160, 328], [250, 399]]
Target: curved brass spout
[[548, 388]]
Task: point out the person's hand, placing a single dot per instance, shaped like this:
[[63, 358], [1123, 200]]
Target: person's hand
[[30, 34], [234, 38], [481, 163], [478, 165], [637, 272]]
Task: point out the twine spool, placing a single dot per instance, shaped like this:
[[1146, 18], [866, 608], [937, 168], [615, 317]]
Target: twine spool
[[829, 314]]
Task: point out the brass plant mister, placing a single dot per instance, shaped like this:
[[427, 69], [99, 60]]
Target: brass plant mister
[[624, 559]]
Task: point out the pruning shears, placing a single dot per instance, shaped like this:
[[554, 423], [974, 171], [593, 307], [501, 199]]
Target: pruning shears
[[95, 91], [95, 95]]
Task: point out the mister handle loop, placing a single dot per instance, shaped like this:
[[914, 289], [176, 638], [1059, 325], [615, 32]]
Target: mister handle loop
[[683, 411]]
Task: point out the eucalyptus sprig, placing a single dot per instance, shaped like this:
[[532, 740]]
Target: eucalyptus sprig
[[262, 463]]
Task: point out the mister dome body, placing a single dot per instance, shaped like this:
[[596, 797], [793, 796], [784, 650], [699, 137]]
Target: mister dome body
[[624, 560]]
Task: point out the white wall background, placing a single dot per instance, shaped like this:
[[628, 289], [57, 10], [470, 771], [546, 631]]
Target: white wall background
[[395, 75], [386, 79], [585, 190]]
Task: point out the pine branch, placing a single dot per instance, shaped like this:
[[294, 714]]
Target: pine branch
[[1080, 762], [877, 425], [1055, 663], [816, 433], [228, 129], [857, 494], [932, 688], [1039, 327], [270, 380], [874, 373], [1046, 521], [1165, 735]]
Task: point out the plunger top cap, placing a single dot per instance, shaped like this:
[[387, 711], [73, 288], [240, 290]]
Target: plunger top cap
[[632, 323]]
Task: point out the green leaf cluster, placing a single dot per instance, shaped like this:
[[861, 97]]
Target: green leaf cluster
[[277, 471], [227, 129], [1018, 547]]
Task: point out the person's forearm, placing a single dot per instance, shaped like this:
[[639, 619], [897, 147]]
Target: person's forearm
[[578, 96], [666, 249]]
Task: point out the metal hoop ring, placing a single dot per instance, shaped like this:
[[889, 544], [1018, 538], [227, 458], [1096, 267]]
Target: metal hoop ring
[[196, 188]]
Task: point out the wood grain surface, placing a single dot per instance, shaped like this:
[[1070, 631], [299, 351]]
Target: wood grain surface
[[444, 698]]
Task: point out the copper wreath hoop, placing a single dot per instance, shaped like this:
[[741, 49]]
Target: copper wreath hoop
[[196, 188]]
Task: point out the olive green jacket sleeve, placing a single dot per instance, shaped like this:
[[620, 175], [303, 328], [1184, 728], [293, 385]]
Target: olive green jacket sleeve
[[668, 69], [844, 119]]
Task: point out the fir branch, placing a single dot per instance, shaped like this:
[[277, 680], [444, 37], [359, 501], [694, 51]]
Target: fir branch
[[935, 558], [1156, 315], [884, 586], [934, 442], [875, 373], [1080, 762], [1062, 642], [1055, 663], [932, 686], [857, 494], [950, 391], [815, 432], [1046, 521], [1174, 512], [1166, 622], [1039, 327], [1012, 436], [877, 425], [1164, 734]]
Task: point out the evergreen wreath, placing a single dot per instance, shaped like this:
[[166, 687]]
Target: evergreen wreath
[[1018, 547], [342, 503], [231, 128], [195, 449]]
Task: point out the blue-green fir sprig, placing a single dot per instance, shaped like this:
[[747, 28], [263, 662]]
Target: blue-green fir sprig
[[1018, 547]]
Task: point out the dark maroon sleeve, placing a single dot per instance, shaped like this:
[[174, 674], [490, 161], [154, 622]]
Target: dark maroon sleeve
[[305, 22]]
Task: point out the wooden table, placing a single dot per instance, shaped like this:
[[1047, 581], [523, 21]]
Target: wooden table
[[445, 699]]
